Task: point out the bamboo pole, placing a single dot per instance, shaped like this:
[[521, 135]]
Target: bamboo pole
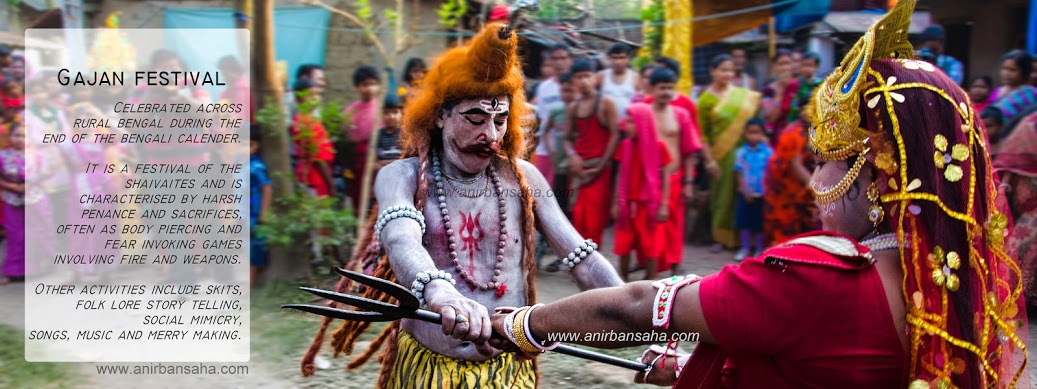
[[772, 38]]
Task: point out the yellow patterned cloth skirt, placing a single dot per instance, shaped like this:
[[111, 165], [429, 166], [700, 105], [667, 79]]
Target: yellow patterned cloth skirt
[[419, 367]]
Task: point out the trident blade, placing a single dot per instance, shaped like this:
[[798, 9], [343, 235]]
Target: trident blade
[[407, 300], [341, 313], [356, 301]]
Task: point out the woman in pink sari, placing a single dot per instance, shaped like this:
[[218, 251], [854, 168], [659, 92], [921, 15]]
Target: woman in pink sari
[[1016, 162]]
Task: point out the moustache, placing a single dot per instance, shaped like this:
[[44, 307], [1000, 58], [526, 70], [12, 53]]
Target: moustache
[[483, 148]]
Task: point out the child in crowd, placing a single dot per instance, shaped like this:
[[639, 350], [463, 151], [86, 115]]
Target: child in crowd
[[388, 148], [260, 198], [979, 92], [362, 115], [13, 99], [313, 146], [750, 164], [556, 130]]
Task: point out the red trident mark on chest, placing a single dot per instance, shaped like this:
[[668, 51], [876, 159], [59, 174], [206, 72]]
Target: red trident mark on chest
[[471, 235]]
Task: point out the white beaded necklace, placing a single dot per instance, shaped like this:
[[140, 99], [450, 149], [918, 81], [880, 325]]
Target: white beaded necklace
[[882, 242]]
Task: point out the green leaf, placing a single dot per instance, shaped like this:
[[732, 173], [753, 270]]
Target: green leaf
[[304, 213]]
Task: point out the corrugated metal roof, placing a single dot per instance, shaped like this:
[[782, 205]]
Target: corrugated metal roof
[[860, 21], [755, 35], [39, 5]]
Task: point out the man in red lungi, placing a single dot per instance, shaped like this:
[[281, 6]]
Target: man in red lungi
[[591, 138], [675, 127]]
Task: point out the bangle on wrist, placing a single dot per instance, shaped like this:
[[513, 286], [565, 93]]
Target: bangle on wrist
[[584, 250], [519, 331], [529, 332], [424, 278]]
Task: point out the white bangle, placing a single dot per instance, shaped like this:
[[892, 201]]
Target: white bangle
[[509, 327], [529, 333], [585, 249], [396, 212], [423, 278]]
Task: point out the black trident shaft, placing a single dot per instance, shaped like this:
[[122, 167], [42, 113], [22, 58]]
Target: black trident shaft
[[409, 309]]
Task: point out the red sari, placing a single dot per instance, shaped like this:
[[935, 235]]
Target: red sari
[[799, 316], [789, 203], [311, 139]]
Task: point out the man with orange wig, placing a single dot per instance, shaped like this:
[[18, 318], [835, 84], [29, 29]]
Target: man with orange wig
[[456, 224]]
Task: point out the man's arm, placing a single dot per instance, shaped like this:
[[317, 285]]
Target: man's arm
[[592, 272], [612, 124], [401, 239], [800, 169], [623, 309], [575, 162], [268, 198], [957, 71], [547, 134], [664, 201]]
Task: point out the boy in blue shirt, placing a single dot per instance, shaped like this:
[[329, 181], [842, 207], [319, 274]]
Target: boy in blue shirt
[[261, 195], [750, 164]]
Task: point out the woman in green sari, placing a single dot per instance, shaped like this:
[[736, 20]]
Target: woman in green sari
[[723, 111]]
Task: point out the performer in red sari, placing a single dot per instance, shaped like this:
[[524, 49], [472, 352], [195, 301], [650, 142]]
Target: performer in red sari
[[909, 286]]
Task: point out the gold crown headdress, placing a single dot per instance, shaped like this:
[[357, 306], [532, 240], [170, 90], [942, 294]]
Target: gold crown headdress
[[836, 133]]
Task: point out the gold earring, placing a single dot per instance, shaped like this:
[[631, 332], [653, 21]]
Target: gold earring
[[875, 214]]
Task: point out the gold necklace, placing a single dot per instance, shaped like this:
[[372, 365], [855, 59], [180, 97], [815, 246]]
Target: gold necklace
[[836, 192]]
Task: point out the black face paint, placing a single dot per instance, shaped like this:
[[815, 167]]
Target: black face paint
[[474, 111]]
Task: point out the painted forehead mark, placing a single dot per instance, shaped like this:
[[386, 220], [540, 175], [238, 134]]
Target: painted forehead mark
[[494, 107]]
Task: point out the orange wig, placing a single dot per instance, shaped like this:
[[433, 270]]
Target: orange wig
[[487, 66]]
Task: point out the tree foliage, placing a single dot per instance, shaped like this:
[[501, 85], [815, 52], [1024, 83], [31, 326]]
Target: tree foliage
[[451, 12], [655, 16], [304, 212]]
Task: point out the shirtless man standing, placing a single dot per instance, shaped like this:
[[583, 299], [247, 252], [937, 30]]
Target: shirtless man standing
[[673, 126]]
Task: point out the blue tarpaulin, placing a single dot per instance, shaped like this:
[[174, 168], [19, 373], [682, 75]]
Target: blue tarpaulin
[[1031, 29], [800, 14], [300, 35]]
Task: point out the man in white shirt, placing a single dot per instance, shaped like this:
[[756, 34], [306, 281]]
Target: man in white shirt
[[619, 82], [549, 96]]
